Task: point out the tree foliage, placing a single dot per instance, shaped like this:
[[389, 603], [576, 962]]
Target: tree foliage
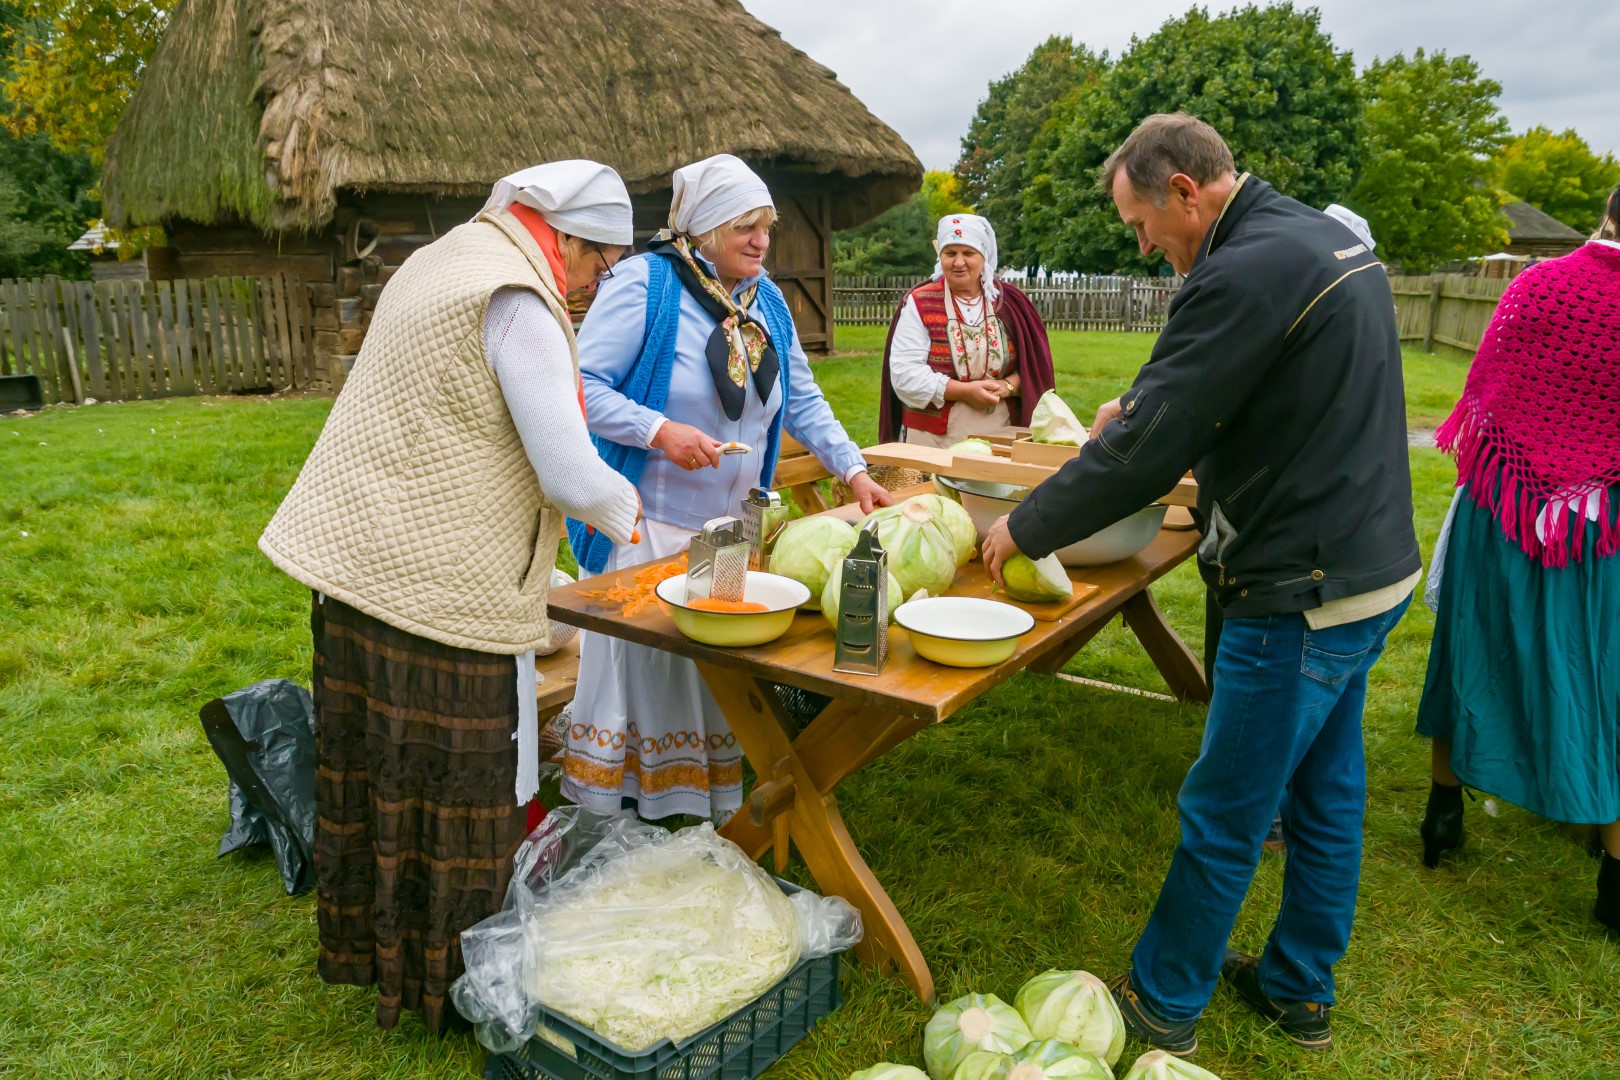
[[1559, 175], [900, 241], [1000, 151], [1430, 127], [1268, 79]]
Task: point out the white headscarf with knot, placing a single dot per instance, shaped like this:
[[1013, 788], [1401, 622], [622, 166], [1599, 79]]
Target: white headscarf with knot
[[969, 230], [711, 192], [581, 198]]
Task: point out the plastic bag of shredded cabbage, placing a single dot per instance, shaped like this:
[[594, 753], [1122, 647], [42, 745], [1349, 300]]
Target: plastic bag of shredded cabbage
[[637, 933]]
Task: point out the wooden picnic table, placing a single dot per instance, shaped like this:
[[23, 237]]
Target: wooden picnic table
[[798, 767]]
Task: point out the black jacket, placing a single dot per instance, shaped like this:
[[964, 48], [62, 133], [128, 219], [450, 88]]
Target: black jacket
[[1277, 380]]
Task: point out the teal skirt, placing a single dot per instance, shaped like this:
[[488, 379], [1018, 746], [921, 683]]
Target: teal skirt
[[1524, 673]]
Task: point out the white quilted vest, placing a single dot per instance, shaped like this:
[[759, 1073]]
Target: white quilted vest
[[418, 505]]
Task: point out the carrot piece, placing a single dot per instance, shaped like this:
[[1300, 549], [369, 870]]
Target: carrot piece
[[733, 607]]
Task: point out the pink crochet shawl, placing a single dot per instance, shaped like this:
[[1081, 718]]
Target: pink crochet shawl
[[1538, 425]]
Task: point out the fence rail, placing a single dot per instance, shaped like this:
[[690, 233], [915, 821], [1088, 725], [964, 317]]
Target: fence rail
[[1447, 308], [1065, 303], [125, 340]]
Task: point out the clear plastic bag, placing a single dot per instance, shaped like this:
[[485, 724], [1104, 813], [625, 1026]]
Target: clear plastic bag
[[637, 933]]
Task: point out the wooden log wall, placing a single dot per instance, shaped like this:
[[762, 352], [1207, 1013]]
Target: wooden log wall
[[129, 340]]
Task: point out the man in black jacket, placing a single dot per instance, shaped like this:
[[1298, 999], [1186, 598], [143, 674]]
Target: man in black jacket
[[1277, 381]]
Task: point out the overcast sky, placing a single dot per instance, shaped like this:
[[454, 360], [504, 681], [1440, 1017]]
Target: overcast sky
[[923, 67]]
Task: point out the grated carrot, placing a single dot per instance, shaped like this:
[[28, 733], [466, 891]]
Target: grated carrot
[[733, 607], [642, 592]]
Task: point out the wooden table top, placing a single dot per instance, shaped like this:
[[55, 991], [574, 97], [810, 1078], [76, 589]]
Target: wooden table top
[[908, 684]]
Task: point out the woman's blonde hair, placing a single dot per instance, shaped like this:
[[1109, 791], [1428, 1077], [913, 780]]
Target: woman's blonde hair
[[760, 215]]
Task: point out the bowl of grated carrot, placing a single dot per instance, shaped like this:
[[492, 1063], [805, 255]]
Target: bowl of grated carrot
[[763, 614]]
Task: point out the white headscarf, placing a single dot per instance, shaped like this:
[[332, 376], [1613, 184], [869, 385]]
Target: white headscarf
[[1354, 222], [713, 191], [969, 230], [581, 198]]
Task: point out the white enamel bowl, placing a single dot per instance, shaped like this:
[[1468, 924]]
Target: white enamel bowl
[[732, 629], [985, 502], [962, 631]]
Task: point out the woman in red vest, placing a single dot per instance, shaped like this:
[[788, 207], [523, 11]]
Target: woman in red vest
[[966, 353]]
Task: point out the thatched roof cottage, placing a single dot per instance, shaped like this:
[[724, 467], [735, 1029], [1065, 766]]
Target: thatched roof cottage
[[332, 139]]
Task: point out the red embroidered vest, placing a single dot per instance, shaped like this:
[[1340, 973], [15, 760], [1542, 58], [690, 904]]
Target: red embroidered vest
[[930, 301]]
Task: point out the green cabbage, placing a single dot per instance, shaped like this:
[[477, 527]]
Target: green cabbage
[[1035, 581], [1054, 422], [983, 1065], [884, 1070], [1076, 1007], [924, 547], [975, 1022], [1158, 1065], [829, 595], [956, 521], [808, 549], [1051, 1059], [966, 446]]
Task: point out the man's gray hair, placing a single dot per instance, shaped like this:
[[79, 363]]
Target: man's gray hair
[[1161, 146]]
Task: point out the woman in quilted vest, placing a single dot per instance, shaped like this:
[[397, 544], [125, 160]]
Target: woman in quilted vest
[[690, 346], [967, 353], [1522, 697], [426, 520]]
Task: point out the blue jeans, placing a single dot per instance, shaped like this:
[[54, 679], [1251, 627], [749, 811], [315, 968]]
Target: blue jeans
[[1284, 733]]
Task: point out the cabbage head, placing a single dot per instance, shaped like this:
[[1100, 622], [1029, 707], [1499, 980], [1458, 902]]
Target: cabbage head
[[974, 1022], [1158, 1065], [808, 549], [1054, 422], [1076, 1007], [966, 446], [1051, 1059], [1036, 581], [983, 1065], [923, 548], [835, 581], [884, 1070], [956, 521]]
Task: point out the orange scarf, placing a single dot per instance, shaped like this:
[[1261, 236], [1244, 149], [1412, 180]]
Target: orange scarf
[[546, 237]]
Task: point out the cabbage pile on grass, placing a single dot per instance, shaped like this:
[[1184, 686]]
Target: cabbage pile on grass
[[1036, 580], [885, 1070], [966, 446], [1054, 422], [1075, 1007], [977, 1022], [809, 549], [927, 539], [1158, 1065], [1053, 1059]]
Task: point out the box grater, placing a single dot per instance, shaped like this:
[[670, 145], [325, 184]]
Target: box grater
[[764, 514], [863, 608], [717, 563]]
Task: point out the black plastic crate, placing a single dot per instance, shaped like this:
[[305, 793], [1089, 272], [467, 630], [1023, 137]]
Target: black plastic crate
[[739, 1047]]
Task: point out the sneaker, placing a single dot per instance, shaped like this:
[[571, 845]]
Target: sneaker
[[1176, 1037], [1304, 1022]]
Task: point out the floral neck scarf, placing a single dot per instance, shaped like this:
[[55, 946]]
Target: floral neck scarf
[[740, 345]]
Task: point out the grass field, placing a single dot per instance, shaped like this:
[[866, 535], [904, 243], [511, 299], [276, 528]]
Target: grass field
[[1030, 831]]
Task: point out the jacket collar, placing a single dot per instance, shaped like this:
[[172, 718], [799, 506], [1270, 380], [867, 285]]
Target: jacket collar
[[1244, 194]]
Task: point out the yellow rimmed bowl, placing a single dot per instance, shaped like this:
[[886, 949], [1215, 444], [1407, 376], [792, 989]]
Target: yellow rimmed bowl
[[733, 629], [963, 631]]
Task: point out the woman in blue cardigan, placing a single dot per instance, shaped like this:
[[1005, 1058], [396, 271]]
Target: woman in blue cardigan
[[686, 348]]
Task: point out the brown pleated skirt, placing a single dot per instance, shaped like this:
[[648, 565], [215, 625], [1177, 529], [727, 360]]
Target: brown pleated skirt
[[417, 825]]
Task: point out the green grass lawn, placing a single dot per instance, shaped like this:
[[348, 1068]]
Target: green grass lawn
[[1030, 831]]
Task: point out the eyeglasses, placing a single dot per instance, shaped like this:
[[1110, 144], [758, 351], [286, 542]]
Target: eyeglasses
[[607, 271]]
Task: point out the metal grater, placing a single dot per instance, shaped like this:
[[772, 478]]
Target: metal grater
[[863, 609], [717, 564], [764, 514]]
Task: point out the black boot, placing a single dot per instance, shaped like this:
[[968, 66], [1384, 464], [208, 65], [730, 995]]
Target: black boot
[[1608, 897], [1442, 822]]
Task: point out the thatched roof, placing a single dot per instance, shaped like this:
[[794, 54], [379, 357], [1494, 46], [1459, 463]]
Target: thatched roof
[[1530, 225], [262, 110]]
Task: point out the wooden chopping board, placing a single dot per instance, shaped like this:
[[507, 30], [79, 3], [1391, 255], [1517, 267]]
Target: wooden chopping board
[[974, 582]]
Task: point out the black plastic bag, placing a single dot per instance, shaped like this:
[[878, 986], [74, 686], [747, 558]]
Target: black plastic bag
[[265, 736]]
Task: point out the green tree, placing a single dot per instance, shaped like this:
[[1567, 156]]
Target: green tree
[[997, 155], [1268, 79], [900, 241], [1558, 174], [1430, 128]]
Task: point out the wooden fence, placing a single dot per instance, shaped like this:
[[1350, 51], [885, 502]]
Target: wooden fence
[[1450, 309], [124, 340], [1065, 302]]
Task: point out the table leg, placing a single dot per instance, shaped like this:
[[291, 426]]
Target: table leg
[[1167, 651], [814, 824]]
